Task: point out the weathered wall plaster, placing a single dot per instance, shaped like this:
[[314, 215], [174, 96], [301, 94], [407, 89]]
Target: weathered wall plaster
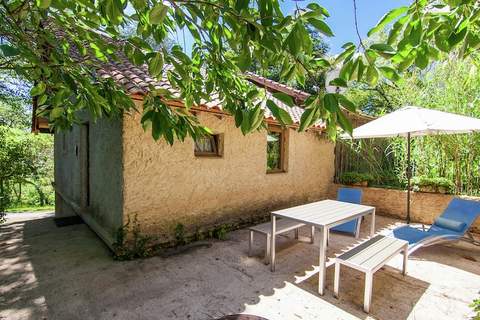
[[165, 185]]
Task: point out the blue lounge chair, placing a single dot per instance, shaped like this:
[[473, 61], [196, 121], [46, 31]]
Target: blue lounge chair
[[451, 225], [350, 195]]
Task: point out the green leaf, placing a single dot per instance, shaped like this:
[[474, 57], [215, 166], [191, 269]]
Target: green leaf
[[285, 98], [322, 63], [421, 60], [390, 73], [158, 13], [44, 4], [383, 47], [372, 75], [241, 5], [246, 123], [416, 34], [8, 50], [38, 89], [156, 64], [280, 115], [441, 39], [338, 82], [244, 59], [346, 70], [386, 19], [345, 54], [456, 37], [238, 117], [330, 102], [346, 103], [256, 118], [42, 99], [318, 8], [396, 29], [56, 113], [344, 123], [308, 118], [321, 26]]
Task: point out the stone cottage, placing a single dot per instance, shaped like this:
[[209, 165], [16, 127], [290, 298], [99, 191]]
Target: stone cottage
[[109, 170]]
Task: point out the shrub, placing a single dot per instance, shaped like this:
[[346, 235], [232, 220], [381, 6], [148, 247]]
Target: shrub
[[130, 243], [437, 184], [180, 234], [350, 178]]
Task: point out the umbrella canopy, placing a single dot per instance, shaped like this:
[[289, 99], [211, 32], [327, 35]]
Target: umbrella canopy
[[416, 122], [413, 121]]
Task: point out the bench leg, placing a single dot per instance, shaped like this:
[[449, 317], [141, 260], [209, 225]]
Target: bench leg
[[312, 234], [267, 250], [367, 299], [250, 243], [336, 283], [405, 259], [296, 234]]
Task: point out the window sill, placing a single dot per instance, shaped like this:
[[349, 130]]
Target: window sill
[[276, 171], [208, 155]]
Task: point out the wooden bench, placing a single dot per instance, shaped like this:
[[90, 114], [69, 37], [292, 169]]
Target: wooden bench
[[368, 257], [283, 226]]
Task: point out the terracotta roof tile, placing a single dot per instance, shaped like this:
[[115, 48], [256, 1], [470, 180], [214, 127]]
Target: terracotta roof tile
[[136, 80]]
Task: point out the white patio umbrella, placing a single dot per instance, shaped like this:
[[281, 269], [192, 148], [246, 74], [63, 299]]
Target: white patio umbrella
[[413, 121]]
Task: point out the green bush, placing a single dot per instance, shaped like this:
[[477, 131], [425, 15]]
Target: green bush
[[436, 184], [350, 178]]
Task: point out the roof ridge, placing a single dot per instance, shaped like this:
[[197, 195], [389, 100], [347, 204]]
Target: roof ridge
[[299, 95]]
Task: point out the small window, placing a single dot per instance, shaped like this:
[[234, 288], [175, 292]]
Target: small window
[[209, 146], [276, 145]]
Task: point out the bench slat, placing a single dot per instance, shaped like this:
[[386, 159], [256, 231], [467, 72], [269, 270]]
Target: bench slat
[[283, 225], [373, 252]]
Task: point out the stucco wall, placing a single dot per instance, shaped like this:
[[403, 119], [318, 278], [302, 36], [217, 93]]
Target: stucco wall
[[424, 208], [106, 173], [104, 170], [166, 185]]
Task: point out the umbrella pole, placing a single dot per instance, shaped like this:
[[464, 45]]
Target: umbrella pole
[[409, 176]]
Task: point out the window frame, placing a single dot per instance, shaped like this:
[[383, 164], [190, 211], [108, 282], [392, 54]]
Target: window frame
[[218, 146], [283, 148]]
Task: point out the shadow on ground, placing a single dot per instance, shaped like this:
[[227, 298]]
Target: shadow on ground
[[48, 272]]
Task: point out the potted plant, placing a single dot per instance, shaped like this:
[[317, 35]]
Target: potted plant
[[433, 185], [355, 179]]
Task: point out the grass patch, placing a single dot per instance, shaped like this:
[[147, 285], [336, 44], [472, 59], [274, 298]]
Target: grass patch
[[30, 209]]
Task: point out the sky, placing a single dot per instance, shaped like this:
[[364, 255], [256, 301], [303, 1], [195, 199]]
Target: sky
[[341, 18]]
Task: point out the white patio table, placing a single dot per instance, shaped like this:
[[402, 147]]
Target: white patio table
[[323, 215]]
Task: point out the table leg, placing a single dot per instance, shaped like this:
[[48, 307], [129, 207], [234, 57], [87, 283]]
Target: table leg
[[405, 259], [322, 260], [272, 243], [372, 224], [250, 243]]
